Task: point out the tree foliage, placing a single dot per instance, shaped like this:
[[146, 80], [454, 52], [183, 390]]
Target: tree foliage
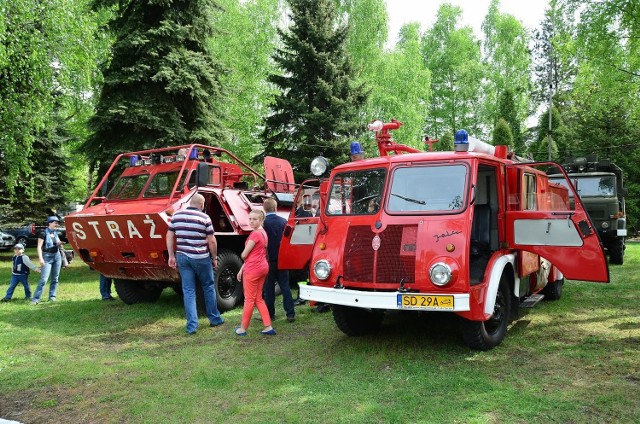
[[539, 149], [189, 71], [601, 108], [502, 135], [317, 109], [244, 45], [47, 69], [452, 55], [507, 112], [507, 70], [161, 86], [401, 88]]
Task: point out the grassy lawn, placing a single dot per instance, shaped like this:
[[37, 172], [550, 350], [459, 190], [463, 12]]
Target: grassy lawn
[[83, 360]]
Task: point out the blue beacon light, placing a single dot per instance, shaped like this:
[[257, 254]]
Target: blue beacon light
[[461, 143]]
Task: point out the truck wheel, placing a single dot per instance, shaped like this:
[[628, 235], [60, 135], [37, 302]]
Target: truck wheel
[[178, 290], [228, 288], [485, 335], [356, 321], [553, 290], [616, 251], [132, 292], [22, 240]]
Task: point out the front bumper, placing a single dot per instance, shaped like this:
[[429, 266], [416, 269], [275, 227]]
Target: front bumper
[[376, 300]]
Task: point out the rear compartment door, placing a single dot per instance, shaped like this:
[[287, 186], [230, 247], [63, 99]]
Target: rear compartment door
[[300, 233], [279, 175], [540, 219]]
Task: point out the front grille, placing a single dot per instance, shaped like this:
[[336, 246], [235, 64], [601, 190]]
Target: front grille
[[596, 214], [391, 263]]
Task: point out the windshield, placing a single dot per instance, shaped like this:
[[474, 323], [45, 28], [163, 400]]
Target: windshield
[[427, 188], [128, 187], [161, 184], [591, 186], [356, 192]]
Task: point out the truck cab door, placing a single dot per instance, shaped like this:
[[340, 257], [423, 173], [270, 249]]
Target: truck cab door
[[540, 219], [300, 232]]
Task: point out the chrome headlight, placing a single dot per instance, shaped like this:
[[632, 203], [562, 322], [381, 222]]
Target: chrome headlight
[[319, 166], [440, 274], [605, 225], [322, 269]]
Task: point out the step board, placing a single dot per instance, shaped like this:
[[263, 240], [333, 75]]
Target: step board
[[531, 301]]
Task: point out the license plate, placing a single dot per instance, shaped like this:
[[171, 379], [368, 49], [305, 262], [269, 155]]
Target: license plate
[[420, 301]]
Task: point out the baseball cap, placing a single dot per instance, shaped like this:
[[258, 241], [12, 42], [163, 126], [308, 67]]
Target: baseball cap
[[19, 246], [53, 219]]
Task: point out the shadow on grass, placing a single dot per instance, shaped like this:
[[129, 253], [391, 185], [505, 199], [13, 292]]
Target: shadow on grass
[[402, 334], [89, 317]]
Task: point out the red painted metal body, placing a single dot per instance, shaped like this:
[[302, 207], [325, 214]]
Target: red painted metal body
[[121, 230], [483, 216]]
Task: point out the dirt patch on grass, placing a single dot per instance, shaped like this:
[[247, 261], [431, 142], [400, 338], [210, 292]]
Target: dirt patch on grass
[[59, 405]]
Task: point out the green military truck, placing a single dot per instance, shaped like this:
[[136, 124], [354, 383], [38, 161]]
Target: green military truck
[[601, 188]]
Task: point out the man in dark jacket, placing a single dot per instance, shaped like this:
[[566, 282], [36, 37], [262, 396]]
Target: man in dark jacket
[[274, 226]]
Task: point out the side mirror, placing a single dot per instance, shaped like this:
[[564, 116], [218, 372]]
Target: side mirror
[[306, 202]]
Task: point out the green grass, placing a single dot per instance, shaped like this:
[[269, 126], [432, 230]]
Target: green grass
[[84, 360]]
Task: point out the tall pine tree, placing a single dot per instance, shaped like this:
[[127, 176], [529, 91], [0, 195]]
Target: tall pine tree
[[161, 86], [316, 112]]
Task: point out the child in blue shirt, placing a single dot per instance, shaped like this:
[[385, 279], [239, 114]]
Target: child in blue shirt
[[20, 273]]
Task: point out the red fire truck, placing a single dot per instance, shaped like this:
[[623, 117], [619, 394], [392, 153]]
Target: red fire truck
[[475, 232], [121, 230]]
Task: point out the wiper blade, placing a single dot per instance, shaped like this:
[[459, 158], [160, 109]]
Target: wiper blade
[[409, 199]]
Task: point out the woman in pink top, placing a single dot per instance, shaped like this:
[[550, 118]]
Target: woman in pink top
[[253, 273]]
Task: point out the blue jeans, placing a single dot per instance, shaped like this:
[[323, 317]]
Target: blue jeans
[[15, 280], [282, 277], [202, 271], [52, 264], [105, 287]]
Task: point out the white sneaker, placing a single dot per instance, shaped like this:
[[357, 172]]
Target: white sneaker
[[35, 302]]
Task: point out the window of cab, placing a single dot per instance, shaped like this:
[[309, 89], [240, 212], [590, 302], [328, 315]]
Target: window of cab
[[432, 188], [591, 186], [356, 192], [128, 187], [530, 193], [161, 184]]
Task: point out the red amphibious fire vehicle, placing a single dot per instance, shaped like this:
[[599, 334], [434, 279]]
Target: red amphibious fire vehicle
[[475, 232], [120, 232]]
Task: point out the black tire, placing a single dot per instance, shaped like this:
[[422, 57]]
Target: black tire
[[356, 321], [178, 290], [22, 240], [553, 290], [485, 335], [228, 289], [616, 251], [132, 292]]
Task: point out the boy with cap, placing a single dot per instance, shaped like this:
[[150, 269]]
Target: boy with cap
[[20, 273], [50, 259]]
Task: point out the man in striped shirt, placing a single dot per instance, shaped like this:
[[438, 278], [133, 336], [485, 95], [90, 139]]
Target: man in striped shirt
[[197, 249]]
